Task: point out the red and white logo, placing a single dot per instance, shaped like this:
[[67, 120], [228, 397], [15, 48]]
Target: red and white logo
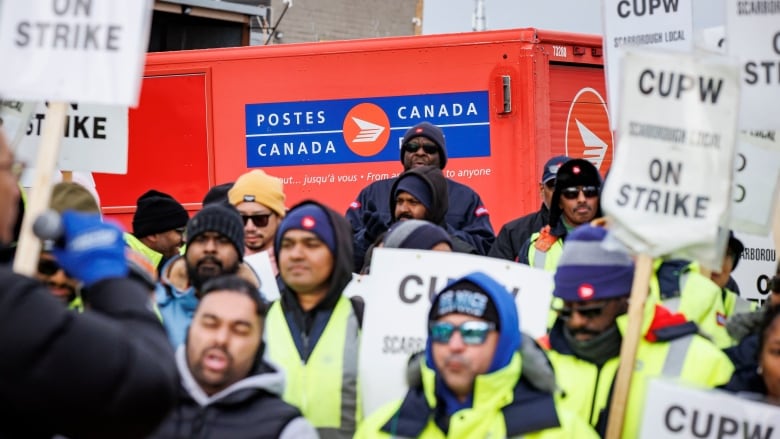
[[366, 129], [587, 130], [586, 291], [355, 205], [481, 210], [308, 223]]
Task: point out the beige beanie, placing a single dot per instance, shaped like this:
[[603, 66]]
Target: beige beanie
[[259, 187]]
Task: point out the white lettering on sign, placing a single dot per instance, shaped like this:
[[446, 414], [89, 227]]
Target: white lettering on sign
[[293, 148], [559, 51], [432, 110], [295, 118], [678, 126]]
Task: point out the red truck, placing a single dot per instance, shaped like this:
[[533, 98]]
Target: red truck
[[328, 117]]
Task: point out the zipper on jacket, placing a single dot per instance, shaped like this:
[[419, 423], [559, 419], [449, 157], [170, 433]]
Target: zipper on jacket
[[595, 395]]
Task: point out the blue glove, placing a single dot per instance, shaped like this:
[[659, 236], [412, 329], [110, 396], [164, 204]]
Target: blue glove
[[94, 250]]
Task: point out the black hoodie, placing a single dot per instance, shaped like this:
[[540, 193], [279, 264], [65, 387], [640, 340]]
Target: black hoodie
[[437, 184]]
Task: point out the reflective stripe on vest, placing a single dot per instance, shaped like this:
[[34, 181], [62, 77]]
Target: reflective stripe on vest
[[325, 387], [675, 356], [672, 304], [136, 244], [545, 260]]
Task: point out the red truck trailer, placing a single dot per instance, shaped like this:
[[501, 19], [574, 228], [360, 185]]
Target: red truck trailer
[[328, 117]]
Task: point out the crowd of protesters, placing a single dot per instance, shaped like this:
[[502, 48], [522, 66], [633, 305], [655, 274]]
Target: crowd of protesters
[[164, 332]]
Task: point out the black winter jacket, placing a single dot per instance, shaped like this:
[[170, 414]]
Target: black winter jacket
[[108, 372]]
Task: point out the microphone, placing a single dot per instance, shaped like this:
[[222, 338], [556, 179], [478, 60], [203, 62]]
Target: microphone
[[48, 227]]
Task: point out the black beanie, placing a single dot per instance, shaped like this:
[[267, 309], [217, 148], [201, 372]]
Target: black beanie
[[220, 218], [218, 194], [157, 212], [430, 132]]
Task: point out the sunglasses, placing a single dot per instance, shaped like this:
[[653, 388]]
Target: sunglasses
[[429, 148], [472, 332], [550, 184], [589, 312], [48, 267], [571, 193], [260, 220]]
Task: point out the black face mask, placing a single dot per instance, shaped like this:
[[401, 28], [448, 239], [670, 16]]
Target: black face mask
[[596, 350]]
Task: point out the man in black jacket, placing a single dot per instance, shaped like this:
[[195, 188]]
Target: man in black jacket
[[108, 372], [227, 390], [422, 145], [516, 232]]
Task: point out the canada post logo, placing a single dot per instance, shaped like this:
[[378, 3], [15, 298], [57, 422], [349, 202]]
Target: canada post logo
[[588, 135], [361, 130]]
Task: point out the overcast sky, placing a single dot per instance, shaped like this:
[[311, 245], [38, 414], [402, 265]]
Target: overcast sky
[[442, 16]]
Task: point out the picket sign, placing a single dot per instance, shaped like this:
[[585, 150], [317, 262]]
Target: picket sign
[[86, 51], [658, 24], [753, 36], [674, 411], [261, 264], [14, 116], [397, 296], [756, 182], [677, 129], [28, 247]]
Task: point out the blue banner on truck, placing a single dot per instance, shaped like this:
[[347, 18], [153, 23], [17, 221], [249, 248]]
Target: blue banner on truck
[[362, 130]]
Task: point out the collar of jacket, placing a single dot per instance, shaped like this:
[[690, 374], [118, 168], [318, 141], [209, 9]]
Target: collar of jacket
[[525, 408]]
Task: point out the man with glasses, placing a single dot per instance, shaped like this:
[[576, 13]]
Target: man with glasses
[[422, 145], [259, 198], [158, 227], [594, 285], [516, 232], [473, 383], [575, 201]]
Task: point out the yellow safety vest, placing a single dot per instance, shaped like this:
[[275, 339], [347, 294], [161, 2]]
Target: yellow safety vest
[[586, 388], [325, 387], [702, 301], [545, 260], [136, 244]]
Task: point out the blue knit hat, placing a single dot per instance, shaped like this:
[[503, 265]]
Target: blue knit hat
[[430, 132], [311, 218], [417, 187], [587, 271]]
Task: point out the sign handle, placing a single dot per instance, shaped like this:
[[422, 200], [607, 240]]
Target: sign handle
[[636, 310], [29, 247], [67, 176]]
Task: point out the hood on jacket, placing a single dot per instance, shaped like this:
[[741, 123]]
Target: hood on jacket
[[575, 172], [437, 183], [342, 250], [263, 377], [509, 337]]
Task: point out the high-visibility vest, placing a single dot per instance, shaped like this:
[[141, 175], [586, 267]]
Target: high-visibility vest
[[136, 244], [586, 388], [544, 259], [325, 387]]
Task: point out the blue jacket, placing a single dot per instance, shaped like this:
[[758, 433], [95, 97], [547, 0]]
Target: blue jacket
[[176, 307], [467, 216]]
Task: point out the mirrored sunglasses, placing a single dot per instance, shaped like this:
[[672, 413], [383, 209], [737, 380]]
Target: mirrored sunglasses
[[429, 148], [588, 312], [472, 332], [571, 193], [258, 220]]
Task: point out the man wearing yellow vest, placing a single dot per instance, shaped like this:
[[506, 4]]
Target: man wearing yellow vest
[[575, 201], [584, 343], [474, 379], [313, 331], [158, 227]]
